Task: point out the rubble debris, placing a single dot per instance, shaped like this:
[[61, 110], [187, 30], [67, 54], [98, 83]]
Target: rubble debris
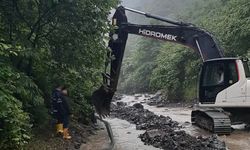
[[138, 105], [163, 132]]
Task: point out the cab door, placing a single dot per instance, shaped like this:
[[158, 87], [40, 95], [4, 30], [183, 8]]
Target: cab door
[[246, 65], [237, 89]]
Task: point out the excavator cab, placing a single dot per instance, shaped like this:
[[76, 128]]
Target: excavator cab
[[224, 94], [220, 78], [216, 75]]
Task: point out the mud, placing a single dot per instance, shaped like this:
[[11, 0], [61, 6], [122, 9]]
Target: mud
[[98, 141], [163, 132], [47, 139]]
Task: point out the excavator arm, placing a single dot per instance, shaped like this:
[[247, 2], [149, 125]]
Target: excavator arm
[[188, 35]]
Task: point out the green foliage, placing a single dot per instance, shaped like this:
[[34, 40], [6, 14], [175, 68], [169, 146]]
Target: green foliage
[[140, 66], [231, 25], [46, 42], [14, 122], [21, 87], [173, 71], [228, 21]]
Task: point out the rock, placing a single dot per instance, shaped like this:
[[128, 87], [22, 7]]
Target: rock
[[138, 105], [160, 105], [153, 133], [186, 123], [183, 143], [121, 104], [117, 97], [77, 145], [156, 99], [158, 93], [138, 95]]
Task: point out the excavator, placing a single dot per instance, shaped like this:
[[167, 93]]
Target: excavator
[[224, 83]]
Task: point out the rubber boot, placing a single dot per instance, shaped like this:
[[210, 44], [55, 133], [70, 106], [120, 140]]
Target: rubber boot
[[59, 128], [66, 134]]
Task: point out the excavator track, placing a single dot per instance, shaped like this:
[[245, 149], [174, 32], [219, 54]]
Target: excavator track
[[213, 120]]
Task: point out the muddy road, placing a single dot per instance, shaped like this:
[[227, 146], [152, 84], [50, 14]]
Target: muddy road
[[238, 140], [125, 136]]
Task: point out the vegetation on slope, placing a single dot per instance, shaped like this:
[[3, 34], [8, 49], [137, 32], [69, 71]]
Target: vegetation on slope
[[44, 43]]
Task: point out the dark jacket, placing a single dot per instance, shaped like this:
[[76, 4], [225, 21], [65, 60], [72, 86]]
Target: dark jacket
[[60, 105], [66, 107]]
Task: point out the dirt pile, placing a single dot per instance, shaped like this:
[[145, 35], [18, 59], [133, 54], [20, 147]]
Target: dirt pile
[[179, 140], [143, 118], [163, 132]]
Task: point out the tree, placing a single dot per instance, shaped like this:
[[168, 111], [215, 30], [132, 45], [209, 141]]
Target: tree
[[45, 42], [135, 76]]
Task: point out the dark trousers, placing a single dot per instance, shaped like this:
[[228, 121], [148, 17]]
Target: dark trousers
[[64, 119], [93, 118], [66, 122]]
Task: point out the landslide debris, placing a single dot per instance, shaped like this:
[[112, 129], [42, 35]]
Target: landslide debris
[[163, 132], [160, 100]]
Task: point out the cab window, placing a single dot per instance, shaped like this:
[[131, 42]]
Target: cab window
[[246, 68], [214, 74], [232, 73]]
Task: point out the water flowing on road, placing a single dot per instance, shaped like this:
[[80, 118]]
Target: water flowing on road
[[126, 136]]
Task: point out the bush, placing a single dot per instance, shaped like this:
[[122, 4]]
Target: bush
[[23, 89], [14, 123]]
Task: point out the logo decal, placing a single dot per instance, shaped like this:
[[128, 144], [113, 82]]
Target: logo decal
[[158, 35]]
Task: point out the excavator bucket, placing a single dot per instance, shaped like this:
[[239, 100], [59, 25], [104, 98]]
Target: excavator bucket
[[101, 98]]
